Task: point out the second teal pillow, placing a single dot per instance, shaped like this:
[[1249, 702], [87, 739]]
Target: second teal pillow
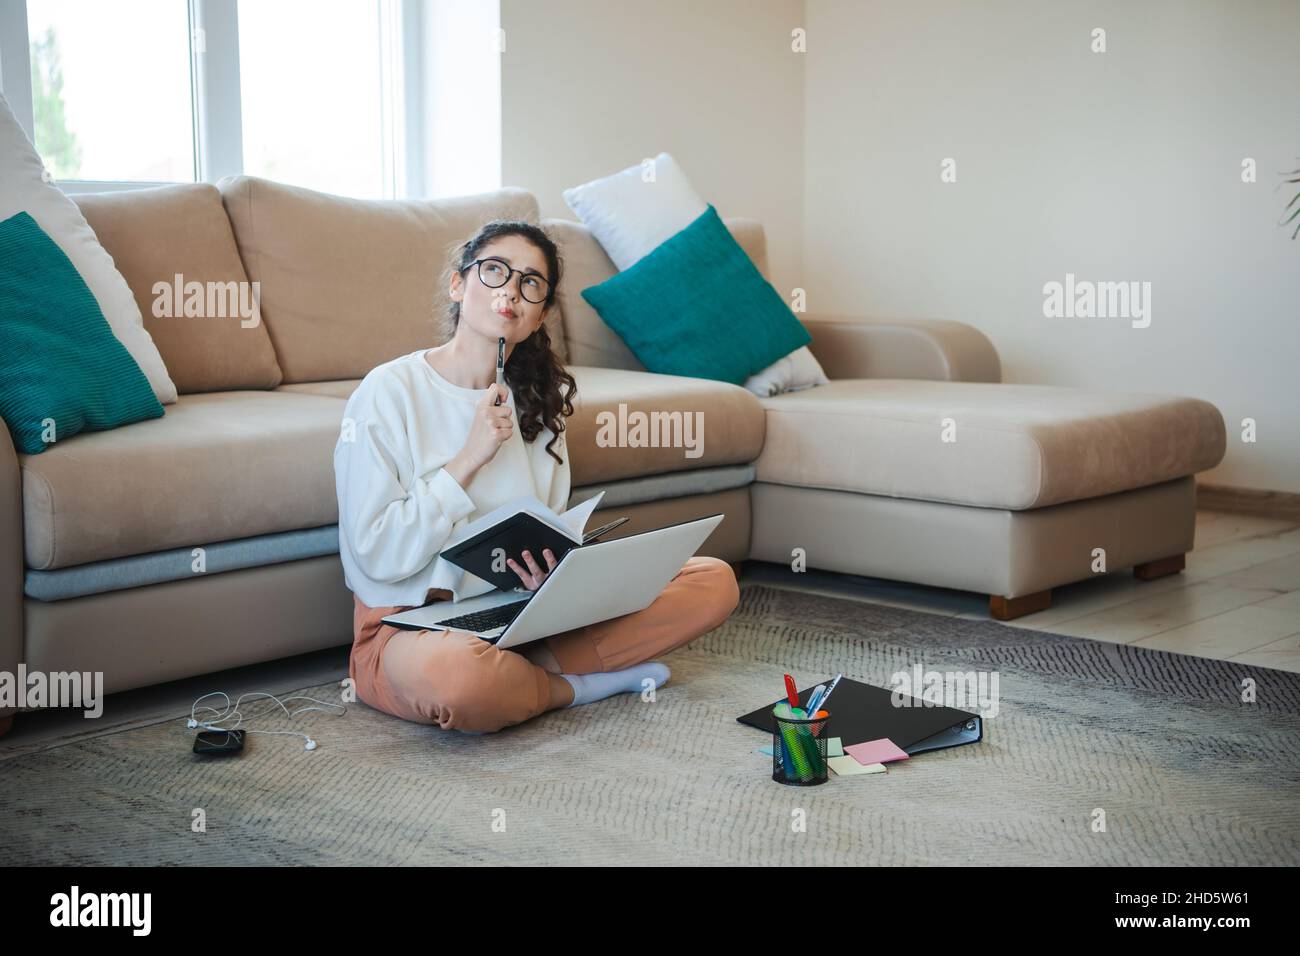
[[62, 370], [697, 305]]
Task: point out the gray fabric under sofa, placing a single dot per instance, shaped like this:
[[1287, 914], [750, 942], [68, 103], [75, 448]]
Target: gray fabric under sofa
[[100, 531]]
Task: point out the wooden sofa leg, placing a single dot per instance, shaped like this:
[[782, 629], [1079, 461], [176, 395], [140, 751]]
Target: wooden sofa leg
[[1162, 567], [6, 724], [1008, 609]]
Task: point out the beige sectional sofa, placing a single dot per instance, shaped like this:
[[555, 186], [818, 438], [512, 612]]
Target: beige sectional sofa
[[207, 538]]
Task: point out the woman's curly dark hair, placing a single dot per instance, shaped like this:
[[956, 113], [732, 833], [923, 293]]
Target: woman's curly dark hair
[[543, 390]]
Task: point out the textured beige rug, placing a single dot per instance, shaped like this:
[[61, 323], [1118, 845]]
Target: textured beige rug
[[1184, 772]]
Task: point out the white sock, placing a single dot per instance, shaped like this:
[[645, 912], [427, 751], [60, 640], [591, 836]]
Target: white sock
[[598, 686]]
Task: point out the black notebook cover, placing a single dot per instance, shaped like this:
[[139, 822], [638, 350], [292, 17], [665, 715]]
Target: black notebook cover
[[861, 712], [514, 535]]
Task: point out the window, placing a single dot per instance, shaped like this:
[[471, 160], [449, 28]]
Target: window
[[341, 96], [311, 94], [111, 93]]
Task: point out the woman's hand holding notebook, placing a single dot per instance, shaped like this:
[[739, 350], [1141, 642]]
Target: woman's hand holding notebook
[[483, 545]]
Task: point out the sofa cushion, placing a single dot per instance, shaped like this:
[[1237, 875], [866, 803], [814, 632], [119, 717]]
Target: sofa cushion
[[155, 235], [1016, 446], [588, 339], [156, 567], [732, 424], [217, 466], [348, 284]]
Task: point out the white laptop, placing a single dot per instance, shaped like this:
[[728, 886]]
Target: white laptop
[[595, 582]]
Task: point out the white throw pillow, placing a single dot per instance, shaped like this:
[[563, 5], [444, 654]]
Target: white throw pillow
[[796, 371], [631, 217], [24, 189]]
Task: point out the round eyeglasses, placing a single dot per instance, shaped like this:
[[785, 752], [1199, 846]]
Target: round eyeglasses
[[495, 273]]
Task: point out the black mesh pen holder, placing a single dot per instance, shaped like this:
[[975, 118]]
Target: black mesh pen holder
[[799, 748]]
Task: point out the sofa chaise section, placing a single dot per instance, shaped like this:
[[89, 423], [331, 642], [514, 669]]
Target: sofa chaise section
[[1008, 490]]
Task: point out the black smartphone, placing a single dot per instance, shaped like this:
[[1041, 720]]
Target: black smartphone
[[214, 743]]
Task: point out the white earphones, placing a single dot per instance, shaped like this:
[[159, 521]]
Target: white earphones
[[232, 711]]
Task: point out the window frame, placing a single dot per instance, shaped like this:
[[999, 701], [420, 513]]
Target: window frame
[[216, 113]]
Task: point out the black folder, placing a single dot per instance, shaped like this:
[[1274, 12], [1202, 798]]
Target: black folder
[[861, 712]]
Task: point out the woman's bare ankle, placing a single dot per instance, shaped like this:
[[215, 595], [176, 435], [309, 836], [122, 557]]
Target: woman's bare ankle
[[561, 692]]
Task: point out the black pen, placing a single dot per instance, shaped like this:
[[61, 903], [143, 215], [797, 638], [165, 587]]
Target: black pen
[[501, 366]]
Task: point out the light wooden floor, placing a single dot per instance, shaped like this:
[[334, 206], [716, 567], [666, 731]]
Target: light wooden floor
[[1239, 598]]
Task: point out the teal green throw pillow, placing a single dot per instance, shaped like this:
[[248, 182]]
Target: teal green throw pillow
[[59, 360], [697, 305]]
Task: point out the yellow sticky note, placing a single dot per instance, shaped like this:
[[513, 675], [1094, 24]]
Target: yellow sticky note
[[848, 767]]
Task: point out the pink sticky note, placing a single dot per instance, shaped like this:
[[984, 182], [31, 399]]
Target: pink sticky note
[[876, 751]]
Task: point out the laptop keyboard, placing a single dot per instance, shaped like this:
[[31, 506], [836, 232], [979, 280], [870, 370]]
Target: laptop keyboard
[[484, 622]]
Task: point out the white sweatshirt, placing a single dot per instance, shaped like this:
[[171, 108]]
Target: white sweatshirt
[[398, 505]]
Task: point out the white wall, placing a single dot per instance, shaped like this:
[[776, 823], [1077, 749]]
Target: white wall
[[1117, 166], [590, 87], [1123, 165]]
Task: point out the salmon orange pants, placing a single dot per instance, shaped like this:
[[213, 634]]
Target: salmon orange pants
[[459, 681]]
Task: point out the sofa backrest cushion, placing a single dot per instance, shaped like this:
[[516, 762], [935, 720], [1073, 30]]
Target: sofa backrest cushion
[[348, 284], [205, 323], [588, 339]]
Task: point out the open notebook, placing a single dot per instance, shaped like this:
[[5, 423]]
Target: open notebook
[[483, 545]]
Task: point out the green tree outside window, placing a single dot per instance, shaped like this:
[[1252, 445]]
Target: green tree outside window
[[54, 141]]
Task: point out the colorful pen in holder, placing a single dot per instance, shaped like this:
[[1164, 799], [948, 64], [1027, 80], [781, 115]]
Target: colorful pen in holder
[[799, 746]]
